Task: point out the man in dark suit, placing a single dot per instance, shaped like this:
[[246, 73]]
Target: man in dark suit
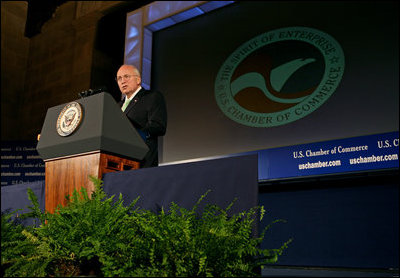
[[145, 109]]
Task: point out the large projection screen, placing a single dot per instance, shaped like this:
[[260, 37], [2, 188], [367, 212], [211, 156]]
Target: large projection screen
[[187, 57]]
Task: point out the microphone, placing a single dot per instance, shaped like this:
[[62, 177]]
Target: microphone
[[92, 92]]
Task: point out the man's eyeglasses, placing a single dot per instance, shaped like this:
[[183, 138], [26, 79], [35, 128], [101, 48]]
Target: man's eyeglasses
[[126, 77]]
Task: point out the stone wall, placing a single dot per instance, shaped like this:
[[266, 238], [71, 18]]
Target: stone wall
[[50, 68], [14, 58]]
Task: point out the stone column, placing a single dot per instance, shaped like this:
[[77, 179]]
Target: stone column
[[85, 25]]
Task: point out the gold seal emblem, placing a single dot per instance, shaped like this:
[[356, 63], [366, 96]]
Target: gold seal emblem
[[69, 119]]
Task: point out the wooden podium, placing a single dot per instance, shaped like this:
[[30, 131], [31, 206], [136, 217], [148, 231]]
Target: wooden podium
[[89, 136]]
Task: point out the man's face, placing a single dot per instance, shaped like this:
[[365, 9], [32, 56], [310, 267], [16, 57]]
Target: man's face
[[128, 80]]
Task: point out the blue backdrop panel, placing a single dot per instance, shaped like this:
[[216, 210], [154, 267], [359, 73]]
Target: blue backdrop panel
[[336, 227], [16, 197], [228, 178]]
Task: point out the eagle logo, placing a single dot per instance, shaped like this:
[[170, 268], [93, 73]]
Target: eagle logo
[[279, 77], [69, 119]]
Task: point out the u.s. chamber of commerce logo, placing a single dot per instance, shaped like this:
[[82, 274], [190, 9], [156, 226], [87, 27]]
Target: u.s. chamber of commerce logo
[[279, 77], [69, 118]]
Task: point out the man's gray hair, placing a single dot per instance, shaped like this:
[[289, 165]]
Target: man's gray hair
[[136, 70]]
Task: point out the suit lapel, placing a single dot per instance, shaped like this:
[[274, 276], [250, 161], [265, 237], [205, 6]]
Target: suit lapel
[[134, 101]]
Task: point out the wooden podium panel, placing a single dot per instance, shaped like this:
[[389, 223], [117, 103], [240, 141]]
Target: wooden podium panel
[[63, 175]]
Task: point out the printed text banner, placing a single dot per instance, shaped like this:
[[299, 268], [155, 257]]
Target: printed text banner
[[372, 152]]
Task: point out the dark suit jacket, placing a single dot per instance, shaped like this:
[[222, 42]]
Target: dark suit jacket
[[148, 113]]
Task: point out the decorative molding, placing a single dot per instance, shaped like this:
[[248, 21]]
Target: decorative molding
[[141, 23]]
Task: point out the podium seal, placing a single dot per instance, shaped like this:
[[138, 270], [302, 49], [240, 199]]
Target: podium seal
[[69, 119]]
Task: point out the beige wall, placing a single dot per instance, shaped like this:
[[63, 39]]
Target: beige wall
[[50, 68]]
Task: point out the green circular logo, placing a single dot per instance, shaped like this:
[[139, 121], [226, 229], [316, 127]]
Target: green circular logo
[[279, 77]]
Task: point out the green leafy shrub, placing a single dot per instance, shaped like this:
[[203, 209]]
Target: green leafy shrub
[[100, 236]]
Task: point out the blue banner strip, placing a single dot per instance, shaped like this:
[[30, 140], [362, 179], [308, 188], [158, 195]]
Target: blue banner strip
[[21, 163], [371, 152]]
